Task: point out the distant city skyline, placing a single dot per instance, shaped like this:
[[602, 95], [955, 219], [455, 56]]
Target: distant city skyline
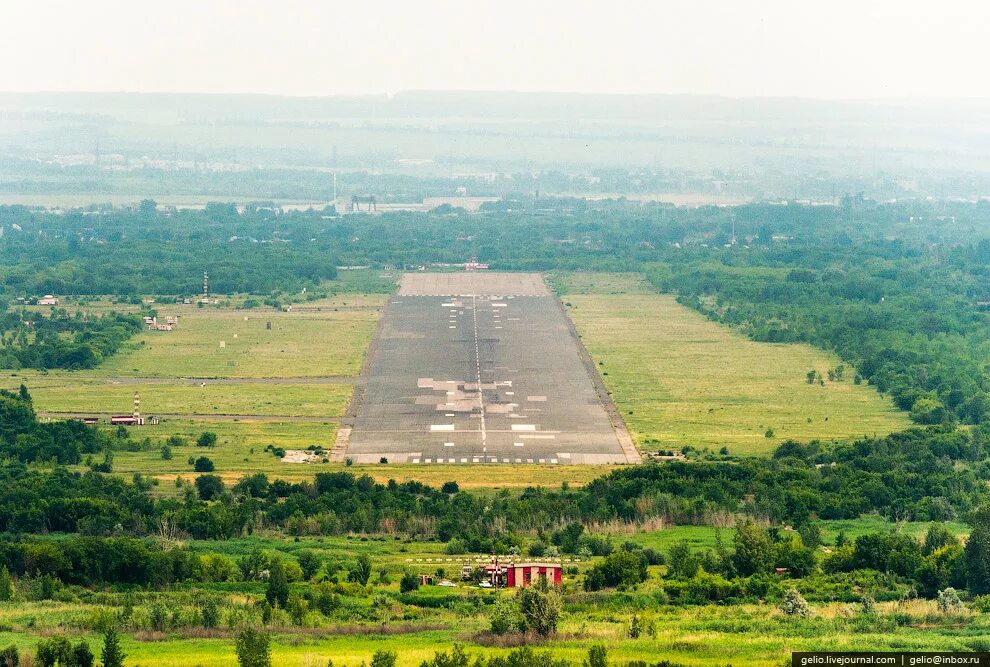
[[746, 48]]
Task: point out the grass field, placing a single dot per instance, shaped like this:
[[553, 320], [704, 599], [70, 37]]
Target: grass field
[[290, 400], [304, 343], [679, 379], [740, 635]]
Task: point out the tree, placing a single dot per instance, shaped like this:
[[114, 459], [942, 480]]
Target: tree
[[82, 655], [938, 536], [203, 464], [6, 585], [206, 439], [383, 658], [209, 613], [754, 549], [622, 568], [253, 648], [52, 651], [310, 562], [297, 608], [362, 570], [681, 563], [277, 593], [505, 616], [113, 656], [978, 553], [597, 656], [540, 607], [166, 453], [209, 487], [409, 582], [449, 487]]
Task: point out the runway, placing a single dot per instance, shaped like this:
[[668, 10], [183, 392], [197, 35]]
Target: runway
[[479, 368]]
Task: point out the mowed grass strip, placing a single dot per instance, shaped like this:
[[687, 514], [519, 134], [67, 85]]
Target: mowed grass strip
[[303, 343], [680, 379], [284, 400]]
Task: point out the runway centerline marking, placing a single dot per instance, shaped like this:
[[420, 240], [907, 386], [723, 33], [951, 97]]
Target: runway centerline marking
[[477, 361]]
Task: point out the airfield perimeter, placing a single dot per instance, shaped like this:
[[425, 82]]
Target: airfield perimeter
[[480, 368]]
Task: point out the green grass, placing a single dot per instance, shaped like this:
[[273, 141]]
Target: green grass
[[741, 635], [679, 379], [299, 344], [288, 400], [704, 537]]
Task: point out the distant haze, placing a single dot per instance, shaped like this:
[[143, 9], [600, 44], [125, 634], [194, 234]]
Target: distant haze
[[837, 49]]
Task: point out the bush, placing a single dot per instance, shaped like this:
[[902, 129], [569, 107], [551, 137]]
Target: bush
[[623, 568], [209, 487], [505, 616], [409, 582], [253, 648], [948, 601], [795, 605], [383, 658], [540, 607], [206, 439], [209, 613], [112, 655], [361, 572], [203, 464], [455, 547]]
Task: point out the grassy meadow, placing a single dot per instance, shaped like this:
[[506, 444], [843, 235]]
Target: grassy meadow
[[748, 635], [434, 618], [679, 379]]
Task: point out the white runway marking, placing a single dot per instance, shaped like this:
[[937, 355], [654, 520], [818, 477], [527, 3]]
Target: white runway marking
[[441, 427], [524, 427], [477, 363]]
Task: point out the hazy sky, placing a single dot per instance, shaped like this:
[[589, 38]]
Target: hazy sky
[[828, 48]]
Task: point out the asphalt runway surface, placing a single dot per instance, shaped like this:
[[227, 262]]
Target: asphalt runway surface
[[479, 368]]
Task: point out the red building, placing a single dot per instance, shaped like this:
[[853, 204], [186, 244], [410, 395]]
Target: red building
[[520, 575]]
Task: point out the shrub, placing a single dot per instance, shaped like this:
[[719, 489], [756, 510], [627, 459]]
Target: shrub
[[409, 582], [112, 655], [948, 601], [277, 593], [540, 607], [623, 568], [203, 464], [209, 613], [455, 547], [209, 487], [505, 616], [383, 658], [253, 648], [795, 605]]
